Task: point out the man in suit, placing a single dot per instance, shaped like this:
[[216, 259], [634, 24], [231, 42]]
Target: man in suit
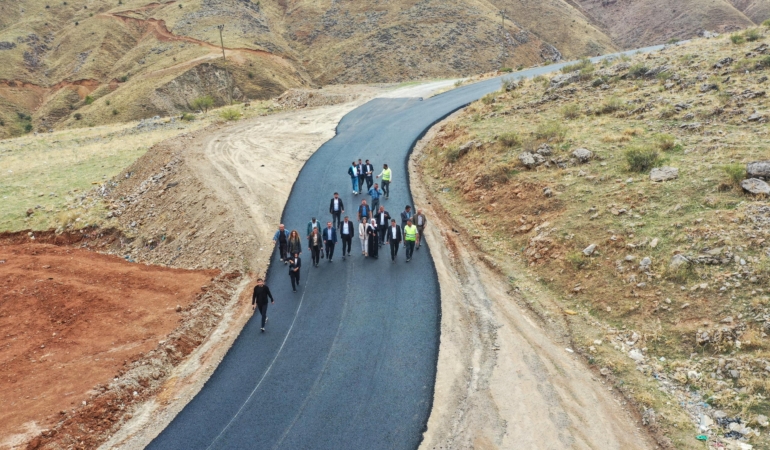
[[336, 209], [361, 175], [394, 237], [383, 219], [330, 239], [346, 233], [369, 173]]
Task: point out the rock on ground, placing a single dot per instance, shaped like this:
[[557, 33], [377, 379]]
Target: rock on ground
[[758, 169], [659, 174], [755, 186], [583, 155]]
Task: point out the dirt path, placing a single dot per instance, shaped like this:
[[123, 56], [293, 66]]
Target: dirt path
[[502, 381]]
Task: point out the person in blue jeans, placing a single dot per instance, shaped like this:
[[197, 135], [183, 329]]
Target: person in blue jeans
[[353, 172], [376, 194]]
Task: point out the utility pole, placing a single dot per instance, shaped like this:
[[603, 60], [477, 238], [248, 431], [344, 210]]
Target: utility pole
[[227, 74], [501, 13]]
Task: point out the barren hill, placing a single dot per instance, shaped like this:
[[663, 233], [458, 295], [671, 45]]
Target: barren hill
[[84, 62]]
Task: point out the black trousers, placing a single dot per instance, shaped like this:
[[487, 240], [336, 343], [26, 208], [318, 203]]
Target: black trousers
[[393, 249], [315, 254], [294, 279], [283, 248], [329, 250], [263, 311], [361, 179], [347, 242], [409, 249], [386, 188], [336, 219], [369, 182], [382, 230]]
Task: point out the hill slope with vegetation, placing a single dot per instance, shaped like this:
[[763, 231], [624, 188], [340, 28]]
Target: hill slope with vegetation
[[634, 192]]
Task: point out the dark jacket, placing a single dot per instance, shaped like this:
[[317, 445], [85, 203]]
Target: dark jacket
[[406, 216], [331, 205], [325, 236], [361, 170], [295, 263], [389, 234], [387, 219], [310, 226], [261, 294], [351, 229], [368, 170], [320, 240]]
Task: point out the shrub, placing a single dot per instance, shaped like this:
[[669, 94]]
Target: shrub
[[508, 84], [571, 111], [107, 102], [638, 70], [737, 38], [230, 114], [123, 79], [78, 116], [766, 23], [510, 139], [114, 112], [681, 274], [581, 65], [576, 260], [735, 173], [668, 112], [673, 40], [551, 131], [202, 103], [89, 99], [28, 128], [250, 75], [459, 83], [540, 79], [586, 73], [764, 62], [488, 99], [453, 153], [664, 142], [642, 159], [187, 117], [752, 35], [610, 105], [506, 70]]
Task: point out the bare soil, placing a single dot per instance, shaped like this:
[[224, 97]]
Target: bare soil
[[70, 320]]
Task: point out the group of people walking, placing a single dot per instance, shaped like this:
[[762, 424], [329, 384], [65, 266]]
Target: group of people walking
[[375, 228]]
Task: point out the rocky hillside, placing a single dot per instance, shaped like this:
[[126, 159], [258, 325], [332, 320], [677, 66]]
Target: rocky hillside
[[82, 62], [635, 193]]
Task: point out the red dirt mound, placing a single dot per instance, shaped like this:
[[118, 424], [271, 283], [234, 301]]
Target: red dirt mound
[[69, 319]]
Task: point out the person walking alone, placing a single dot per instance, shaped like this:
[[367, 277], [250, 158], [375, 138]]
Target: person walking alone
[[385, 174], [282, 238], [295, 243], [336, 209], [353, 172], [410, 236], [295, 263], [364, 212], [369, 173], [420, 221], [372, 237], [394, 238], [375, 193], [330, 240], [383, 219], [259, 300], [346, 233], [363, 237], [315, 245]]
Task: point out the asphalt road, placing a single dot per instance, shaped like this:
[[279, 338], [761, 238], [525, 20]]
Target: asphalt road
[[349, 361]]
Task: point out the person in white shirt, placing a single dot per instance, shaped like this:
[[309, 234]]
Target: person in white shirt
[[336, 209]]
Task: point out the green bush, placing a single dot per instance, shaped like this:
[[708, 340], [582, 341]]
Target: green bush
[[664, 142], [587, 73], [510, 139], [737, 38], [735, 173], [28, 128], [115, 112], [187, 117], [230, 114], [764, 62], [89, 100], [78, 116], [638, 70], [107, 102], [202, 103], [459, 83], [551, 131], [488, 99], [576, 260], [752, 35], [506, 70], [642, 159], [571, 111], [453, 153], [123, 78], [766, 23], [674, 40], [610, 105], [581, 65]]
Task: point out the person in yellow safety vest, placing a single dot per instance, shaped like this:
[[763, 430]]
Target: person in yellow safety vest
[[385, 174], [410, 237]]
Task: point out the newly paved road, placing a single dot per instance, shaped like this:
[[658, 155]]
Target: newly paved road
[[349, 361]]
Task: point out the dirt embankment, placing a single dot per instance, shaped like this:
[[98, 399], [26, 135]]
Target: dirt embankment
[[85, 337]]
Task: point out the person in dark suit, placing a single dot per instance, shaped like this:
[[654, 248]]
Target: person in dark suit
[[336, 209], [330, 240], [394, 237], [369, 173], [346, 233], [295, 263], [383, 219], [361, 175], [259, 300]]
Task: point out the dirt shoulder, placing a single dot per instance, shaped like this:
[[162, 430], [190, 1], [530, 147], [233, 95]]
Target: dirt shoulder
[[506, 378]]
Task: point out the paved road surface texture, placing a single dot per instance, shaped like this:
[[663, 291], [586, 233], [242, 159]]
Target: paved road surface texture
[[349, 361]]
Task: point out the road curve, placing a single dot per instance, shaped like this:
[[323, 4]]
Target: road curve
[[350, 360]]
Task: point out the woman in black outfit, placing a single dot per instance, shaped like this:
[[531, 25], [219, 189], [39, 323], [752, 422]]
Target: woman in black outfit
[[294, 265], [315, 244], [371, 232], [295, 244]]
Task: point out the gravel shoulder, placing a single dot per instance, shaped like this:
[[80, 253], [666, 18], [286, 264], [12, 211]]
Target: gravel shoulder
[[504, 380]]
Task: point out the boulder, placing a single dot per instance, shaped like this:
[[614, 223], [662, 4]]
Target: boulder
[[678, 261], [665, 173], [468, 146], [527, 159], [705, 87], [545, 150], [564, 79], [588, 251], [755, 186], [583, 155], [758, 169]]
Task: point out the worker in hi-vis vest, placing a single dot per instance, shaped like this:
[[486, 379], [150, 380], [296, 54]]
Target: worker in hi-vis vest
[[385, 174]]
